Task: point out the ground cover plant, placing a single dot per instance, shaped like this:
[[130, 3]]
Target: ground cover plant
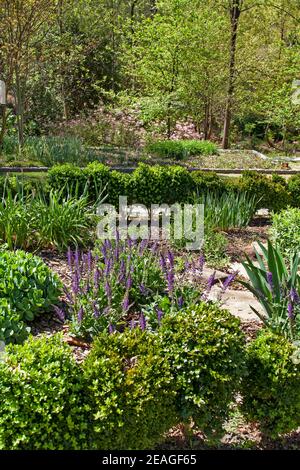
[[27, 289]]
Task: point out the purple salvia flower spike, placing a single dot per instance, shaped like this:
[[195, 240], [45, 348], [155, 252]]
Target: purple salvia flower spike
[[60, 313], [129, 283], [291, 311], [125, 303], [229, 280], [142, 321], [270, 280], [159, 315], [210, 282], [80, 315]]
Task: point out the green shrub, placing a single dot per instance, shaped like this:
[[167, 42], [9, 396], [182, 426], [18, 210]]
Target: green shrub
[[42, 398], [271, 194], [294, 189], [158, 185], [205, 348], [12, 329], [181, 149], [271, 388], [130, 390], [27, 283], [214, 248], [67, 176], [285, 231], [208, 181]]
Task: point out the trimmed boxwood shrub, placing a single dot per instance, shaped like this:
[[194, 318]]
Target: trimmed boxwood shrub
[[285, 231], [42, 398], [271, 388], [158, 184], [294, 189], [273, 193], [208, 181], [205, 349], [67, 176], [130, 390]]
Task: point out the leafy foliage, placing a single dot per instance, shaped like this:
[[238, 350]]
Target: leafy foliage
[[130, 390], [285, 231], [276, 286], [43, 401], [204, 346], [271, 387], [181, 149]]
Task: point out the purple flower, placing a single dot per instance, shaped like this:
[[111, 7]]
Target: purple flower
[[159, 315], [270, 280], [97, 276], [210, 282], [170, 281], [291, 311], [294, 296], [60, 313], [108, 290], [125, 303], [171, 259], [68, 294], [108, 265], [143, 289], [201, 263], [96, 312], [80, 315], [229, 280], [143, 246], [180, 302], [111, 329], [75, 283], [162, 263], [154, 247], [186, 265], [142, 322], [129, 283]]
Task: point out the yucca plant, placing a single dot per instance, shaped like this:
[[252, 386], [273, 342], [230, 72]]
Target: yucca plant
[[276, 286]]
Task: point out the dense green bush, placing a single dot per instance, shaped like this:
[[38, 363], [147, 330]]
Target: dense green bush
[[130, 390], [285, 231], [294, 189], [158, 184], [27, 283], [42, 398], [271, 193], [67, 176], [181, 149], [271, 388], [205, 348], [208, 181]]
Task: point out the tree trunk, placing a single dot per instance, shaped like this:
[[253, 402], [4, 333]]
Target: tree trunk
[[235, 12], [3, 125], [20, 110]]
